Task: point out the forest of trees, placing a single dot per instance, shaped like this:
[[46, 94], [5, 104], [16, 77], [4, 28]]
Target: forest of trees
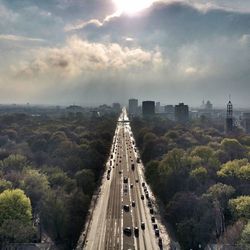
[[49, 169], [201, 178]]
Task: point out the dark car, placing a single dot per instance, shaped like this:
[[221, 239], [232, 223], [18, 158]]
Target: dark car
[[133, 203], [127, 231], [143, 226], [151, 210], [149, 204], [157, 232], [155, 226], [160, 242], [143, 184], [131, 185], [133, 166], [126, 208], [153, 219], [142, 197], [136, 231], [125, 179]]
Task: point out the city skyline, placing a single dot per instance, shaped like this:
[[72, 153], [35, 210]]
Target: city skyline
[[93, 52]]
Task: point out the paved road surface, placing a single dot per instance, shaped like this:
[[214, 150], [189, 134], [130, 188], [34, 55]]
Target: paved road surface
[[123, 184]]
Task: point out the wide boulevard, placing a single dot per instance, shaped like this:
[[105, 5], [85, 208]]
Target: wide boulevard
[[124, 216]]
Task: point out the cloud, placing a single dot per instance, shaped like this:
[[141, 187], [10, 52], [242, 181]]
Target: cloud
[[82, 57], [19, 38]]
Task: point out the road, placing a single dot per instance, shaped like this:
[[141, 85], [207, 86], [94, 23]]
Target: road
[[124, 185]]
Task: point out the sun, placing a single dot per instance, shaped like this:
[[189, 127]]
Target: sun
[[132, 6]]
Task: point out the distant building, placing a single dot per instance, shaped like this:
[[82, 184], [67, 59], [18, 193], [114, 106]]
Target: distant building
[[209, 106], [229, 118], [148, 108], [75, 109], [169, 110], [181, 113], [158, 107], [116, 107], [246, 122], [133, 106]]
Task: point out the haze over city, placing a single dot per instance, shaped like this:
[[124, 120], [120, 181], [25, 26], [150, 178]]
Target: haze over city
[[93, 52]]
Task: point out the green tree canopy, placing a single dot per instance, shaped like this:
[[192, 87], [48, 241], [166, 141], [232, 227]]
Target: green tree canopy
[[241, 206], [15, 205], [14, 162], [235, 169]]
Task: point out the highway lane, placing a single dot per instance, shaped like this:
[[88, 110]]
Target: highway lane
[[123, 185]]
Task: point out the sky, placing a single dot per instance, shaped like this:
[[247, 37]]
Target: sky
[[90, 52]]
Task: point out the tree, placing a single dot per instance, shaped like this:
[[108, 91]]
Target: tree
[[14, 162], [35, 185], [86, 180], [4, 185], [233, 148], [15, 231], [199, 174], [241, 206], [15, 217], [235, 169], [15, 205], [245, 237]]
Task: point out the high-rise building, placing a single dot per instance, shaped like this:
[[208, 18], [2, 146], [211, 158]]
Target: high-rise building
[[133, 106], [246, 122], [157, 107], [148, 108], [181, 113], [229, 118], [116, 107]]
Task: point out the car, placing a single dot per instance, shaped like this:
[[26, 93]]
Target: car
[[133, 203], [149, 204], [138, 160], [125, 180], [136, 180], [151, 210], [131, 185], [127, 231], [147, 196], [120, 171], [126, 208], [157, 232], [143, 184], [136, 231], [133, 166], [143, 226], [153, 219], [160, 242], [155, 226], [142, 197]]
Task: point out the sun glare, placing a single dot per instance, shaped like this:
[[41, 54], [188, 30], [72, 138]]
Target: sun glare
[[132, 6]]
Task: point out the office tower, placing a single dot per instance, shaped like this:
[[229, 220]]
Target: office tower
[[133, 106], [246, 122], [116, 107], [148, 108], [229, 118], [181, 113], [158, 107]]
